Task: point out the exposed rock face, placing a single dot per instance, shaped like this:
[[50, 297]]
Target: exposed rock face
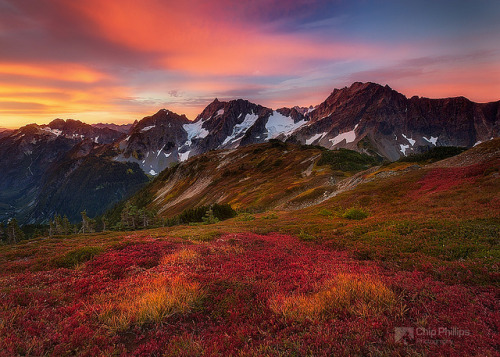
[[367, 116], [164, 138], [154, 142], [122, 128], [226, 124]]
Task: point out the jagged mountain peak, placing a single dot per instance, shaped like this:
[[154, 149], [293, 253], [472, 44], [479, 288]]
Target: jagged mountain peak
[[296, 113], [67, 124], [163, 117], [122, 128], [232, 107]]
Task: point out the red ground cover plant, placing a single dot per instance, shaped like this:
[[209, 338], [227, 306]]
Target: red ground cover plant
[[220, 298], [443, 179]]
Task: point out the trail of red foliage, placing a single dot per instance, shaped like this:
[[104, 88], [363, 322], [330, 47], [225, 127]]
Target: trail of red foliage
[[54, 312]]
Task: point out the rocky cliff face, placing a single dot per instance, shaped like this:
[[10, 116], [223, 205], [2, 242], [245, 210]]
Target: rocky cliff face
[[153, 143], [367, 116]]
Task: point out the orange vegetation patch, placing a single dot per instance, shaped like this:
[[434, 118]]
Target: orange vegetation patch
[[345, 294], [153, 301]]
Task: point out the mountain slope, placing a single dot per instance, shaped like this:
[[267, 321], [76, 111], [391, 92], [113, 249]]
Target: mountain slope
[[254, 177], [35, 154], [365, 117], [157, 141], [86, 178], [153, 143]]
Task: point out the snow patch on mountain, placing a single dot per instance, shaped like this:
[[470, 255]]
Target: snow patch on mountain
[[278, 124], [313, 138], [410, 140], [147, 128], [56, 132], [403, 148], [153, 172], [432, 140], [241, 128], [348, 136], [195, 131], [220, 112], [184, 155]]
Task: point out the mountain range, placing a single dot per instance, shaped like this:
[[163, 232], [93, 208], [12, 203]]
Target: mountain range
[[68, 166]]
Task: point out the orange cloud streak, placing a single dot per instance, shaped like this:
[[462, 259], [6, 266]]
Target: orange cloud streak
[[207, 42]]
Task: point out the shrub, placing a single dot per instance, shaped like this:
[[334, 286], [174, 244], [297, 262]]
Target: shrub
[[219, 211], [325, 212], [346, 160], [435, 154], [306, 236], [355, 213], [245, 217], [77, 256], [276, 143]]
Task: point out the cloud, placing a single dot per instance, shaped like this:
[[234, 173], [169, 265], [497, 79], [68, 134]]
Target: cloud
[[121, 60]]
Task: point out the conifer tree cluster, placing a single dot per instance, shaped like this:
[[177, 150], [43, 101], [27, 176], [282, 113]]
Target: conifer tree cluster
[[11, 233], [60, 226], [134, 218]]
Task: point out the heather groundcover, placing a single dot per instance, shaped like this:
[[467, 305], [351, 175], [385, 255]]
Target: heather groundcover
[[232, 294], [403, 266]]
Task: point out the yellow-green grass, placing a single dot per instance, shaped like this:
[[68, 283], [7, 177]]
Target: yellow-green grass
[[154, 301], [363, 296]]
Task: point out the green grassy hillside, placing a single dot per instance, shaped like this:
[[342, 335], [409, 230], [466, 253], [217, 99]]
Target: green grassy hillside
[[254, 178]]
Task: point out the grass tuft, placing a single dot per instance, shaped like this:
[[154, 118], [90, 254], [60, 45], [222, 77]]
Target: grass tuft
[[346, 294], [153, 302], [77, 256], [181, 256]]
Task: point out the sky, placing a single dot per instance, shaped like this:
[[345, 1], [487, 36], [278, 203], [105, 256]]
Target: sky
[[118, 61]]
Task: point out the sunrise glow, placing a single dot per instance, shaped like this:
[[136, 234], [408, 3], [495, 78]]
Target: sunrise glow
[[117, 61]]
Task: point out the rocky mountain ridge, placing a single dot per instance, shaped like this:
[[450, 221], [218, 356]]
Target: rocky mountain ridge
[[364, 117], [38, 161]]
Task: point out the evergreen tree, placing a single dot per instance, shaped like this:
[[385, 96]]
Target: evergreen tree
[[66, 225], [209, 217], [3, 233], [58, 224], [51, 228], [104, 224], [91, 225], [85, 222], [14, 233], [129, 216]]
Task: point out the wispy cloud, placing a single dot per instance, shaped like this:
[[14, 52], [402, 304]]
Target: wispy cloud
[[102, 60]]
